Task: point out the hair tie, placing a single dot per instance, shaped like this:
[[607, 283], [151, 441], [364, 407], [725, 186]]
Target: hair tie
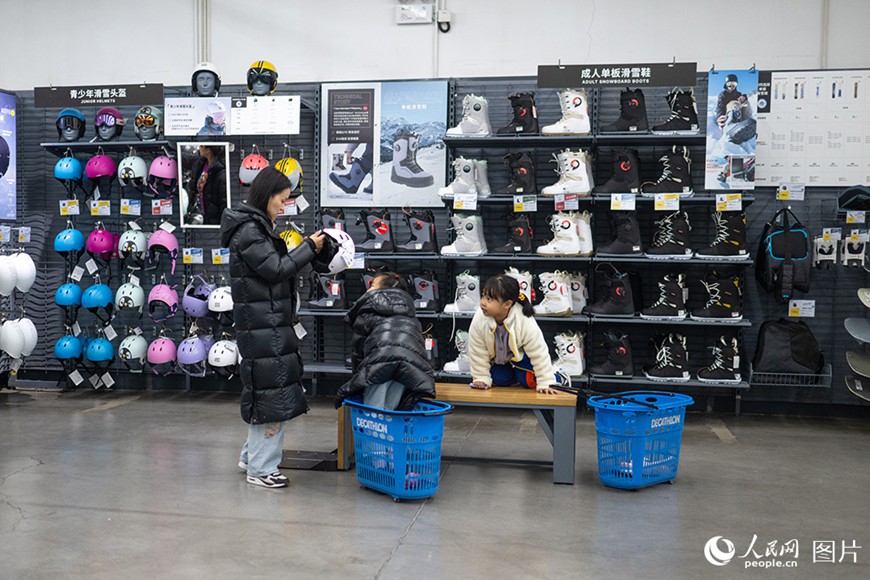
[[522, 296]]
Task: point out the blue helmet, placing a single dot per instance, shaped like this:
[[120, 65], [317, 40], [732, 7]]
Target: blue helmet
[[70, 118], [68, 295], [68, 347], [100, 350], [68, 169], [99, 297], [69, 242]]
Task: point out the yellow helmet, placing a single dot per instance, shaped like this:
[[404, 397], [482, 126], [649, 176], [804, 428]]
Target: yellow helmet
[[264, 71], [292, 169], [291, 236]]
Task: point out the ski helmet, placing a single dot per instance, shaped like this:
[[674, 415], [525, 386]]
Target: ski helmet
[[69, 243], [110, 117], [31, 336], [133, 246], [25, 271], [101, 243], [12, 339], [101, 352], [252, 165], [99, 299], [161, 356], [69, 171], [133, 351], [163, 177], [8, 275], [68, 294], [133, 172], [291, 236], [337, 254], [100, 171], [162, 241], [68, 348], [293, 170], [264, 71], [148, 116], [72, 119], [206, 67], [220, 304], [224, 358], [193, 355], [162, 297], [130, 295], [195, 299]]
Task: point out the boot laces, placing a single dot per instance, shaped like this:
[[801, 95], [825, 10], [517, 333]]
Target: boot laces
[[665, 231], [466, 107], [718, 359], [666, 170], [722, 229], [663, 296], [663, 357], [411, 159], [713, 292], [672, 102]]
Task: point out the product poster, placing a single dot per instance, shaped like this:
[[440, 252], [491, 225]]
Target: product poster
[[8, 208], [814, 128], [269, 115], [202, 117], [732, 105]]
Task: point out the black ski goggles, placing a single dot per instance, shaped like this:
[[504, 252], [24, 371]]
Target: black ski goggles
[[69, 123], [263, 77]]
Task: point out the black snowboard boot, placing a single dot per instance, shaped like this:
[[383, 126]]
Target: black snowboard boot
[[618, 362], [671, 239], [730, 242], [379, 234], [624, 235], [422, 226], [675, 174], [632, 114], [671, 304], [684, 116], [426, 295], [625, 177], [522, 174], [519, 239], [724, 299], [615, 297], [525, 121], [330, 288], [669, 360], [332, 218], [725, 367]]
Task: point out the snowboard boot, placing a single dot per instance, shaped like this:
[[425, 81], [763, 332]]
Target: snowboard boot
[[575, 114], [569, 354], [461, 365], [332, 218], [475, 118], [525, 281], [331, 291], [625, 177], [379, 234], [566, 237], [584, 230], [618, 362], [676, 174], [519, 239], [406, 171], [469, 239], [724, 299], [726, 363], [615, 297], [422, 226], [522, 174], [573, 173], [730, 242], [463, 179], [671, 304], [579, 295], [632, 114], [671, 239], [426, 292], [351, 181], [670, 362], [467, 296], [369, 274], [556, 287], [481, 178], [525, 121], [624, 235], [684, 116]]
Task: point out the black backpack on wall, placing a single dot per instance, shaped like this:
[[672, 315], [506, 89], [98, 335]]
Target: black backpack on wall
[[784, 257], [785, 346]]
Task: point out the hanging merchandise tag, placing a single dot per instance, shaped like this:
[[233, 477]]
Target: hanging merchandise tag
[[15, 365], [623, 201], [161, 207], [790, 192], [134, 280], [192, 255], [77, 273], [95, 381], [335, 288], [856, 217], [110, 333], [5, 234], [667, 201], [466, 201], [359, 261], [802, 308], [134, 225], [69, 207], [302, 203], [76, 329], [76, 377], [525, 203], [829, 234], [131, 207], [168, 227], [24, 235], [108, 381], [290, 207], [567, 201], [220, 256], [429, 343], [300, 330], [137, 331], [101, 207], [729, 202], [92, 267]]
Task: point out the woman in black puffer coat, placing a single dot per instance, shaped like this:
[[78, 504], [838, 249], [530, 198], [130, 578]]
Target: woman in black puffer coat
[[263, 278], [389, 357]]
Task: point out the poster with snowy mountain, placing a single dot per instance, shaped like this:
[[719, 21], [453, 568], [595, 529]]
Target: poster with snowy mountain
[[383, 144]]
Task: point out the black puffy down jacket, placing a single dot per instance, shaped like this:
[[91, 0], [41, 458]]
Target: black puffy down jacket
[[263, 277], [388, 345]]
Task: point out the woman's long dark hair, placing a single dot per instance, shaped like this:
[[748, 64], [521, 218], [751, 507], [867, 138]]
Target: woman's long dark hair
[[268, 182], [390, 280], [504, 288]]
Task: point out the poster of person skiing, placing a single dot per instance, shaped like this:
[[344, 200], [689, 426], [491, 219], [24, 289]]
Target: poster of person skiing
[[383, 144], [732, 104]]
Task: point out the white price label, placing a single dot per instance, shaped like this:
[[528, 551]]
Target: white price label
[[76, 329], [466, 201], [290, 207], [15, 365], [95, 381], [220, 256], [829, 234], [134, 225], [667, 201], [24, 235], [167, 227], [729, 202], [791, 191], [802, 308], [567, 201], [359, 261], [5, 234], [76, 377], [192, 255], [430, 343], [623, 201], [110, 333], [134, 280], [161, 207], [525, 203], [131, 207], [856, 217], [108, 381], [302, 203], [77, 273], [299, 330], [101, 207], [70, 207], [92, 267], [856, 236]]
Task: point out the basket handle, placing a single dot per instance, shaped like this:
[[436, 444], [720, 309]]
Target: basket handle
[[589, 393]]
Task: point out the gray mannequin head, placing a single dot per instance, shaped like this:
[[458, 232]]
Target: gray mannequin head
[[260, 88], [105, 133], [69, 134], [205, 84]]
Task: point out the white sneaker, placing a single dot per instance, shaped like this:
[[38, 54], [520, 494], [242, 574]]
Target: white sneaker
[[243, 466], [273, 480]]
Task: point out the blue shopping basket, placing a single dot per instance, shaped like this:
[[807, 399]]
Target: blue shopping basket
[[639, 434], [399, 452]]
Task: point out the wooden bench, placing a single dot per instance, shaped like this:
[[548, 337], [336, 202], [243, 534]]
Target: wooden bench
[[557, 415]]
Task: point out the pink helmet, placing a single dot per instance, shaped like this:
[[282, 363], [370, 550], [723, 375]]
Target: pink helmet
[[162, 241], [162, 297], [161, 356], [100, 166], [101, 243], [163, 177]]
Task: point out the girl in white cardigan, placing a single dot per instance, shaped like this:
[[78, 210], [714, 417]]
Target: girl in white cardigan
[[505, 344]]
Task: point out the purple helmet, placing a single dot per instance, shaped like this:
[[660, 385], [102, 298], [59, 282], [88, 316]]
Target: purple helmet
[[195, 299], [100, 166], [193, 355], [162, 297], [162, 241], [101, 243], [163, 177], [161, 356], [111, 117]]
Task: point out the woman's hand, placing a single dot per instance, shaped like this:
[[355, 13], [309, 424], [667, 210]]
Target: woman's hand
[[319, 238]]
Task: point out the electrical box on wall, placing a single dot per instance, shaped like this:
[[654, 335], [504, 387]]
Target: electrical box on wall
[[422, 14]]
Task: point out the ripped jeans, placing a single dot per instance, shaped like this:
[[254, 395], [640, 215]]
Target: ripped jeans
[[262, 451]]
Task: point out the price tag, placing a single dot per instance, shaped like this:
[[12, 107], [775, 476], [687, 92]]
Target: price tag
[[802, 308], [134, 225], [856, 217], [220, 256], [299, 330], [70, 207], [167, 227], [359, 261], [161, 207], [5, 234], [667, 201], [335, 288], [131, 207], [137, 331], [791, 191], [729, 202], [110, 333], [429, 343], [290, 207], [101, 207], [466, 201], [23, 235], [77, 274], [856, 236], [829, 234], [192, 255], [92, 267], [525, 203], [302, 203], [76, 329], [76, 377], [95, 381], [567, 201], [108, 381], [15, 365], [623, 201]]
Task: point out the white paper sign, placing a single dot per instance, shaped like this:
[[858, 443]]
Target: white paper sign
[[791, 191], [567, 201], [69, 207], [5, 234], [268, 115], [92, 267], [77, 273], [192, 255], [220, 256], [525, 203], [802, 308], [108, 381], [300, 330], [76, 329], [667, 201], [729, 202], [829, 234], [856, 217], [189, 116], [161, 207], [168, 227], [359, 261], [466, 201], [623, 201], [110, 333], [76, 377], [101, 207], [302, 203], [290, 207], [131, 207], [24, 235]]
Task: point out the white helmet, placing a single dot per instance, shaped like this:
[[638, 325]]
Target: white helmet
[[31, 337], [224, 358], [133, 351], [25, 271], [8, 275], [220, 305], [337, 253], [132, 170], [133, 245], [130, 295], [12, 339]]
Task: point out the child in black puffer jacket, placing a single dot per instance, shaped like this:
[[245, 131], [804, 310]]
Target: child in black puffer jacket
[[390, 368]]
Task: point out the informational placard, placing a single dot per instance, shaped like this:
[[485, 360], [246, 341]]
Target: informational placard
[[191, 255], [209, 117], [566, 201], [24, 235], [220, 256], [269, 115], [525, 203], [69, 207], [290, 208], [667, 201], [5, 234], [802, 308], [623, 201], [466, 201], [161, 207], [856, 217], [732, 123], [8, 156], [98, 95], [813, 128], [617, 75], [791, 191], [729, 202], [131, 207], [101, 207]]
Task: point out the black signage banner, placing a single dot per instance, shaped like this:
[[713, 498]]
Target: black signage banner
[[677, 74], [351, 116], [98, 95]]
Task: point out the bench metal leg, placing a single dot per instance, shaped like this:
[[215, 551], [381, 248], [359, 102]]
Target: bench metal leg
[[545, 418], [564, 444], [345, 440]]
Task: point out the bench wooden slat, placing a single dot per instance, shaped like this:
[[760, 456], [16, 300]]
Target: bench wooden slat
[[462, 393]]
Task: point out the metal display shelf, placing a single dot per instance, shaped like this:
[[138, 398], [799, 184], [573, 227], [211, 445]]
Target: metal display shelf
[[59, 149], [641, 139], [318, 367], [636, 319], [633, 381], [524, 257], [644, 259], [402, 255], [706, 197], [584, 379], [337, 313], [513, 141], [538, 317], [502, 198]]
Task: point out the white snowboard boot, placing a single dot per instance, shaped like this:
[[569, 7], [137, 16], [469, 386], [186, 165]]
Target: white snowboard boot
[[461, 365], [481, 178], [570, 359], [556, 287], [573, 174], [584, 231], [575, 114], [475, 119], [525, 281], [566, 237], [579, 293], [467, 297], [469, 239], [463, 180], [406, 171]]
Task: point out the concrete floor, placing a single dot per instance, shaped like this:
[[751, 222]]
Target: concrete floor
[[130, 485]]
